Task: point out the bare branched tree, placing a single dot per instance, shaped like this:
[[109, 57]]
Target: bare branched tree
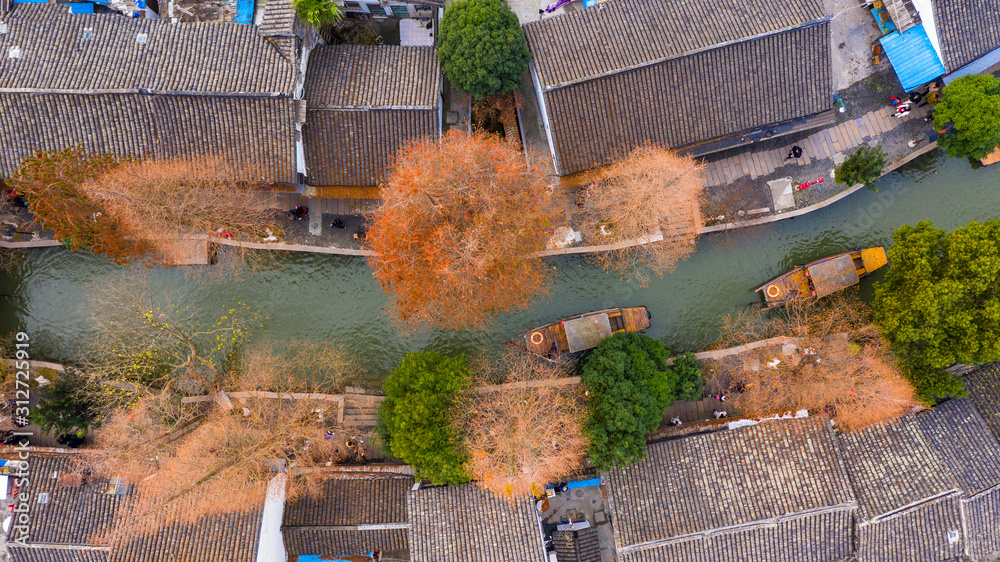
[[842, 365], [185, 463], [522, 436], [167, 202], [652, 193], [144, 339]]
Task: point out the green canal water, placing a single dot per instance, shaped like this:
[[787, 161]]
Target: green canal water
[[334, 298]]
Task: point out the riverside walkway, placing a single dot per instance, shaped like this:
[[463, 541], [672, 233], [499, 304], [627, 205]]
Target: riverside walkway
[[829, 144]]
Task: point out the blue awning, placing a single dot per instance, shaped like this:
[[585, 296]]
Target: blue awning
[[913, 57]]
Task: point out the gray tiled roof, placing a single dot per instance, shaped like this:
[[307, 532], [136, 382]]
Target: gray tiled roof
[[730, 478], [73, 515], [577, 546], [982, 514], [351, 501], [366, 102], [217, 538], [893, 466], [983, 386], [917, 535], [967, 29], [470, 524], [960, 437], [303, 540], [19, 554], [707, 95], [327, 523], [821, 537], [373, 76], [278, 19], [355, 148], [626, 34], [99, 52], [256, 133]]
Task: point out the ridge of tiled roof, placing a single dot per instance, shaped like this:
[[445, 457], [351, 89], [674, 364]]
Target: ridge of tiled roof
[[708, 95], [471, 524], [966, 30], [892, 466], [629, 34], [109, 53], [754, 476], [373, 76]]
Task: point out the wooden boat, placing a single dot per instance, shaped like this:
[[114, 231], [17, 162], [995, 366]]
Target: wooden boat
[[584, 331], [823, 277]]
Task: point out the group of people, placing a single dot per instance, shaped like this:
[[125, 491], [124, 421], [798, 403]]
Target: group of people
[[15, 199]]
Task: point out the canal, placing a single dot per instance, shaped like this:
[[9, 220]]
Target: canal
[[308, 296]]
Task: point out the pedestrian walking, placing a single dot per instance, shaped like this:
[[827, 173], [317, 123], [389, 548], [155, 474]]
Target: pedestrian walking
[[794, 153], [675, 421], [719, 414]]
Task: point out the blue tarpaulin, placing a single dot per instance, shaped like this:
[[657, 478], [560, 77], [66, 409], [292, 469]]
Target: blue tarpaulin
[[244, 11], [81, 8], [913, 57]]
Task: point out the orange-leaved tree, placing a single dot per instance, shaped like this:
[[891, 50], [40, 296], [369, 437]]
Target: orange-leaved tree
[[525, 433], [141, 210], [652, 196], [51, 180], [453, 238]]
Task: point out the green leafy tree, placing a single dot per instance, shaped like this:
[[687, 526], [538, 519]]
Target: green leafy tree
[[482, 47], [630, 384], [318, 12], [940, 302], [864, 166], [690, 381], [972, 105], [63, 409], [415, 420]]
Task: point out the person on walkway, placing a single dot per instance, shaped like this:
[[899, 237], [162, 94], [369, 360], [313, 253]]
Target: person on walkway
[[794, 153], [337, 223], [719, 414], [720, 397], [299, 213], [903, 110], [675, 421]]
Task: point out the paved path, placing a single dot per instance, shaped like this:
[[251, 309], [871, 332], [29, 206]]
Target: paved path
[[821, 145]]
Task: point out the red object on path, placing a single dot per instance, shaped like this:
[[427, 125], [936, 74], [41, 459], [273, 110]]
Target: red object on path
[[802, 186]]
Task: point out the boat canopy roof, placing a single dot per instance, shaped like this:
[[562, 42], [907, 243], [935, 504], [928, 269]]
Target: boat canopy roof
[[832, 275], [587, 332]]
